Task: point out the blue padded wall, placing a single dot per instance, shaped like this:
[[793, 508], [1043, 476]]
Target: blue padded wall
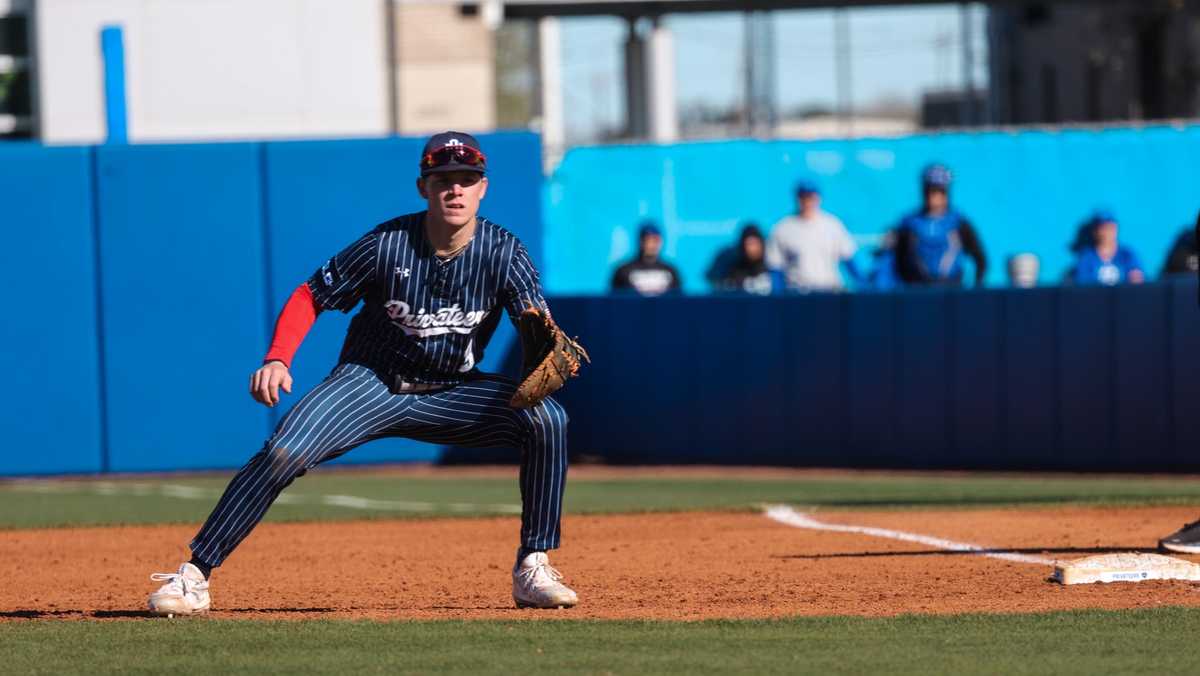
[[51, 421], [812, 369], [871, 378], [923, 378], [182, 289], [1085, 332], [1140, 382], [1070, 378], [1029, 405], [976, 374], [1184, 322]]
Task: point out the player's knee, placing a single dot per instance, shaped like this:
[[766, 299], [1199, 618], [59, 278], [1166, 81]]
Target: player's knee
[[286, 462], [549, 416]]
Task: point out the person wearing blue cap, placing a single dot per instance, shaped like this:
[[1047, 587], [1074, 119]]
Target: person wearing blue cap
[[1101, 259], [811, 245], [931, 242], [647, 274]]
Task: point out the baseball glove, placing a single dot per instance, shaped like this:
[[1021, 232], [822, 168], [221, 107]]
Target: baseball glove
[[551, 357]]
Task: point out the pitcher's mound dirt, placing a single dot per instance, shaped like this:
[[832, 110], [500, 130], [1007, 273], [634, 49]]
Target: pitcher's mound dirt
[[664, 566]]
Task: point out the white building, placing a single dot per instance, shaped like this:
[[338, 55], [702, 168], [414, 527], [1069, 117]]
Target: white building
[[242, 69]]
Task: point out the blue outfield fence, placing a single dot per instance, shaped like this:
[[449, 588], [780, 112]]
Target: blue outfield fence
[[1025, 191], [1057, 378], [150, 276]]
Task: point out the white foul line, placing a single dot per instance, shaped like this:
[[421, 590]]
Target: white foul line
[[789, 516]]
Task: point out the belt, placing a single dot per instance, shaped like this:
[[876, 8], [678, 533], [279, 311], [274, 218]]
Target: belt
[[412, 388]]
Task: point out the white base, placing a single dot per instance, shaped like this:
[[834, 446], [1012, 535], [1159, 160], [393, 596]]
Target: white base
[[1125, 568]]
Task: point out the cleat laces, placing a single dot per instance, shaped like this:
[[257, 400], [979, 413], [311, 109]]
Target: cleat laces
[[541, 575], [178, 585]]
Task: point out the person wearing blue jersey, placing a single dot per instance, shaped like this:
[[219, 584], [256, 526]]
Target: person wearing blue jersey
[[931, 242], [431, 287], [1101, 260]]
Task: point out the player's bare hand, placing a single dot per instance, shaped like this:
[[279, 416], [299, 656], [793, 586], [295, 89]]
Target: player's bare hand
[[266, 381]]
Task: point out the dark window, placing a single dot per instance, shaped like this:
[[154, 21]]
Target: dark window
[[15, 100], [14, 35], [1016, 96], [14, 93], [1049, 94], [1094, 83], [1152, 65]]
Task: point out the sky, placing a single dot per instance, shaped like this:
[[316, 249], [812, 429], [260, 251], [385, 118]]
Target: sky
[[896, 53]]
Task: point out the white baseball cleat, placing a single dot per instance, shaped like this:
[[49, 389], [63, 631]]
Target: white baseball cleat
[[185, 592], [537, 585]]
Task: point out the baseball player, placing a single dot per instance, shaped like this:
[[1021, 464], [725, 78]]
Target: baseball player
[[1186, 540], [930, 242], [432, 285]]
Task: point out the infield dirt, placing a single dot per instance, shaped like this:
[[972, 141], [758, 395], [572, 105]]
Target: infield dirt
[[684, 566]]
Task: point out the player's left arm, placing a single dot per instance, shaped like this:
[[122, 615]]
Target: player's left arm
[[522, 288], [973, 248], [550, 357]]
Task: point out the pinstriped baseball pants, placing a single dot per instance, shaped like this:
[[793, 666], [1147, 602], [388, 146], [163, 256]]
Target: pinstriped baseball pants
[[353, 406]]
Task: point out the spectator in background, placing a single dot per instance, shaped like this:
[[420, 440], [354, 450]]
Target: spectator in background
[[647, 274], [721, 264], [930, 242], [1100, 257], [1184, 257], [1023, 269], [749, 272], [810, 246], [882, 276]]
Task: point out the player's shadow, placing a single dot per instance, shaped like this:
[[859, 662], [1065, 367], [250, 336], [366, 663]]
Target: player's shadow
[[972, 552], [36, 614], [31, 614]]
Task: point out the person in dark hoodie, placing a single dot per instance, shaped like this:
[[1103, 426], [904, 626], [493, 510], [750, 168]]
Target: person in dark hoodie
[[749, 273], [1184, 258]]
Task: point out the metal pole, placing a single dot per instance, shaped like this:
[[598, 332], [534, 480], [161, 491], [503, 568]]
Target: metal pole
[[748, 73], [770, 87], [967, 108], [550, 92], [390, 66], [844, 72]]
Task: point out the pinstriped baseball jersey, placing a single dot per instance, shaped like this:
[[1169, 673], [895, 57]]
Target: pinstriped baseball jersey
[[425, 319]]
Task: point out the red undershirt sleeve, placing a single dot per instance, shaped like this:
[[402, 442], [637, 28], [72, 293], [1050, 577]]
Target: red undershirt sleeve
[[296, 318]]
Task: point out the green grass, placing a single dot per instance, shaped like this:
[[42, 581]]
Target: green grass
[[1087, 642], [354, 495]]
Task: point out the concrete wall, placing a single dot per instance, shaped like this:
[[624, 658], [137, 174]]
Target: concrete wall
[[216, 69], [444, 69]]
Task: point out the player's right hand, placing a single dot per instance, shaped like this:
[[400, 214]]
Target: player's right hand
[[266, 381]]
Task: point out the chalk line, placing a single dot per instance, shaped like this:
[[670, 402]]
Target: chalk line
[[789, 516], [120, 489]]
